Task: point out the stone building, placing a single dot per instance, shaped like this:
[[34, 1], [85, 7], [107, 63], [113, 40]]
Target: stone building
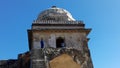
[[56, 40], [55, 27]]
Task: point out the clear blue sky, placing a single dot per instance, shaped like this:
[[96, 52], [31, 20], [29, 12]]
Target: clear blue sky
[[103, 16]]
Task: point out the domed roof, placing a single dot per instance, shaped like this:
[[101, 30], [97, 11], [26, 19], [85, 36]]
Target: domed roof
[[56, 14]]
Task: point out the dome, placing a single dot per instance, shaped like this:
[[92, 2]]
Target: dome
[[56, 14]]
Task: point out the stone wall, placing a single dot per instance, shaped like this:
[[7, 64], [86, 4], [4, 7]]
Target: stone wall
[[11, 63], [39, 60], [46, 57], [23, 60], [72, 39]]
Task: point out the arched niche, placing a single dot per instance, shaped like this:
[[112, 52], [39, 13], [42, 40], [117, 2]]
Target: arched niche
[[60, 42]]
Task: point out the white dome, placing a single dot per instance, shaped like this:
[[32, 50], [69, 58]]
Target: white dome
[[57, 14]]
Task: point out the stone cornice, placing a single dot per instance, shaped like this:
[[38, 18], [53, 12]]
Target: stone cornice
[[56, 22]]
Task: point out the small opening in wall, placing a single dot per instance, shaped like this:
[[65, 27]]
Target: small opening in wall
[[60, 42], [42, 43]]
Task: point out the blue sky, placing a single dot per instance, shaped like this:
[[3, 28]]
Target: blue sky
[[103, 16]]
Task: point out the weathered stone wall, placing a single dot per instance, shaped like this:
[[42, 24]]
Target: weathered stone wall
[[45, 58], [39, 61], [72, 39], [23, 60], [12, 63], [37, 58]]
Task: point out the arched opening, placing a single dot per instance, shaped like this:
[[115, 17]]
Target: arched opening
[[60, 42], [42, 43]]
